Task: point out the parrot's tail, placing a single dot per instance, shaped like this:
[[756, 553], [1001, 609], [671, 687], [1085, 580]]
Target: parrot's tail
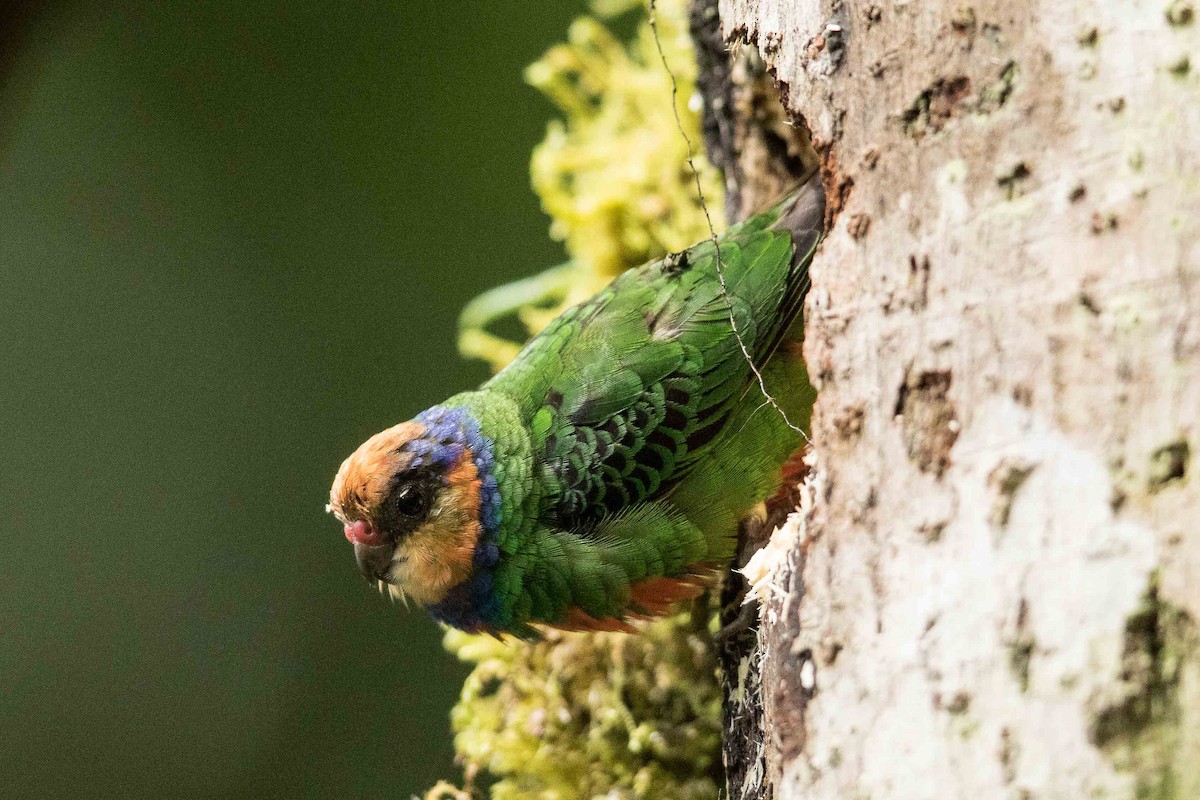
[[801, 214]]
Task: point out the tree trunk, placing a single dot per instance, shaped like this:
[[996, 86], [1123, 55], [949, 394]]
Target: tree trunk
[[994, 586]]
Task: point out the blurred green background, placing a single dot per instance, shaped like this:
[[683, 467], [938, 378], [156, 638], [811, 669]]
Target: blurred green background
[[234, 239]]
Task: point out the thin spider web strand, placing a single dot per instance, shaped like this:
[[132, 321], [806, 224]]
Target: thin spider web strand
[[712, 232]]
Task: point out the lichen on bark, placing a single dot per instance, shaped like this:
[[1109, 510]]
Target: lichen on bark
[[1139, 721]]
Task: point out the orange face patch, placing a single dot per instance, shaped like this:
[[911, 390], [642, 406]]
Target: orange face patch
[[439, 554], [363, 479]]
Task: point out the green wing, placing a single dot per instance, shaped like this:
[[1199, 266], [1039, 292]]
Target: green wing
[[627, 391], [556, 572]]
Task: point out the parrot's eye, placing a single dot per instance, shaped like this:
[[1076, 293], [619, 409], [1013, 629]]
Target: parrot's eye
[[411, 500], [407, 505]]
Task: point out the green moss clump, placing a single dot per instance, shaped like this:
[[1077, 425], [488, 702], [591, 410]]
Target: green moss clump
[[613, 172], [592, 715]]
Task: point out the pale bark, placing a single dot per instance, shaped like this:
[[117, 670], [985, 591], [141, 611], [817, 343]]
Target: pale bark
[[994, 589]]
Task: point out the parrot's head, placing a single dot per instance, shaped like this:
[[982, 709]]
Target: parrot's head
[[409, 501]]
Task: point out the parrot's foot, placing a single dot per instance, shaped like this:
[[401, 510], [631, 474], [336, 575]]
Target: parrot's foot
[[745, 621], [755, 531]]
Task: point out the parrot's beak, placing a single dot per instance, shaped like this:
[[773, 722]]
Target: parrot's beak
[[374, 561], [372, 552]]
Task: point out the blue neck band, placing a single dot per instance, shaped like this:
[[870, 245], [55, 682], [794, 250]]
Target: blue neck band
[[451, 433]]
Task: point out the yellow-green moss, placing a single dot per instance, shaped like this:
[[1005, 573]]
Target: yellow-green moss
[[592, 715], [612, 173], [599, 715]]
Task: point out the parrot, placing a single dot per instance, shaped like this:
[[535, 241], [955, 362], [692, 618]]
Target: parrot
[[598, 479]]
